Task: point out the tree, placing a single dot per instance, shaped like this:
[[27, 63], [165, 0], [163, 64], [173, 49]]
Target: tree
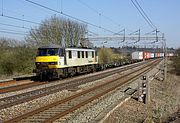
[[55, 30], [105, 55]]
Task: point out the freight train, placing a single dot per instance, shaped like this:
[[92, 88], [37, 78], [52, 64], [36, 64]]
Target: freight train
[[55, 62], [146, 55]]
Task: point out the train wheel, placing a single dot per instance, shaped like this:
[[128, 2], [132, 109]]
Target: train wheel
[[50, 76], [41, 77], [60, 77]]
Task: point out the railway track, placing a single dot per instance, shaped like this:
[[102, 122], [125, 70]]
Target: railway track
[[23, 85], [70, 85], [20, 83], [66, 106], [7, 82], [10, 83], [16, 81]]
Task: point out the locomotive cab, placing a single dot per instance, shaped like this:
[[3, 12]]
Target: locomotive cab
[[48, 59]]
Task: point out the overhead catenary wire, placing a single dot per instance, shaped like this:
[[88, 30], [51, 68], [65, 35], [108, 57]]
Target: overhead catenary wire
[[120, 32], [100, 14], [97, 12], [135, 32], [91, 8], [23, 20], [62, 13], [11, 25], [92, 32], [13, 11], [9, 32], [13, 30], [150, 33], [15, 18], [145, 14], [145, 18], [24, 27], [69, 16]]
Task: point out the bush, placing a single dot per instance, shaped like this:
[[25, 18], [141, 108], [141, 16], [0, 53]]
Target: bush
[[24, 59], [7, 64], [17, 60], [106, 55]]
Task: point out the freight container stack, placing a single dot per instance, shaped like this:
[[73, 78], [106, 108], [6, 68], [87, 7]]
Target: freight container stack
[[137, 55], [161, 55], [147, 55], [157, 55], [140, 55], [152, 55], [170, 54]]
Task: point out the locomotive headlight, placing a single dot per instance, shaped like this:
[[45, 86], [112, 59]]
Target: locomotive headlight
[[38, 63]]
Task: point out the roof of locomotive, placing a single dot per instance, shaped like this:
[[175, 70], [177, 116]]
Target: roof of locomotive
[[58, 46], [79, 48]]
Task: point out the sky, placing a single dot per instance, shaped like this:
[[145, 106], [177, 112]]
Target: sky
[[113, 15]]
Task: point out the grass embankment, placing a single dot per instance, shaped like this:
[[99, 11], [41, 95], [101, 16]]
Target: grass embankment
[[164, 105]]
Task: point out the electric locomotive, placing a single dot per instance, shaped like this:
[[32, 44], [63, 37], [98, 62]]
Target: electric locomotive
[[53, 61]]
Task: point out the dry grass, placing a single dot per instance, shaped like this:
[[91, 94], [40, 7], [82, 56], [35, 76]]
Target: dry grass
[[165, 97], [165, 102]]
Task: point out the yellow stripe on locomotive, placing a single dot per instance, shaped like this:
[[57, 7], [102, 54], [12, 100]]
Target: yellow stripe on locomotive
[[50, 61]]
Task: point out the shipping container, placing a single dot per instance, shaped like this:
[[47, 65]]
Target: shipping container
[[137, 55], [171, 54], [158, 55], [151, 55], [147, 55], [161, 55]]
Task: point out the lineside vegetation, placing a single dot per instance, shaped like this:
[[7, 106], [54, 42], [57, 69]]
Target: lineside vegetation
[[106, 55], [17, 57], [176, 62]]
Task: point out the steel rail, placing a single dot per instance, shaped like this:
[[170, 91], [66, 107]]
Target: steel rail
[[61, 114], [19, 118], [28, 96], [20, 87]]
